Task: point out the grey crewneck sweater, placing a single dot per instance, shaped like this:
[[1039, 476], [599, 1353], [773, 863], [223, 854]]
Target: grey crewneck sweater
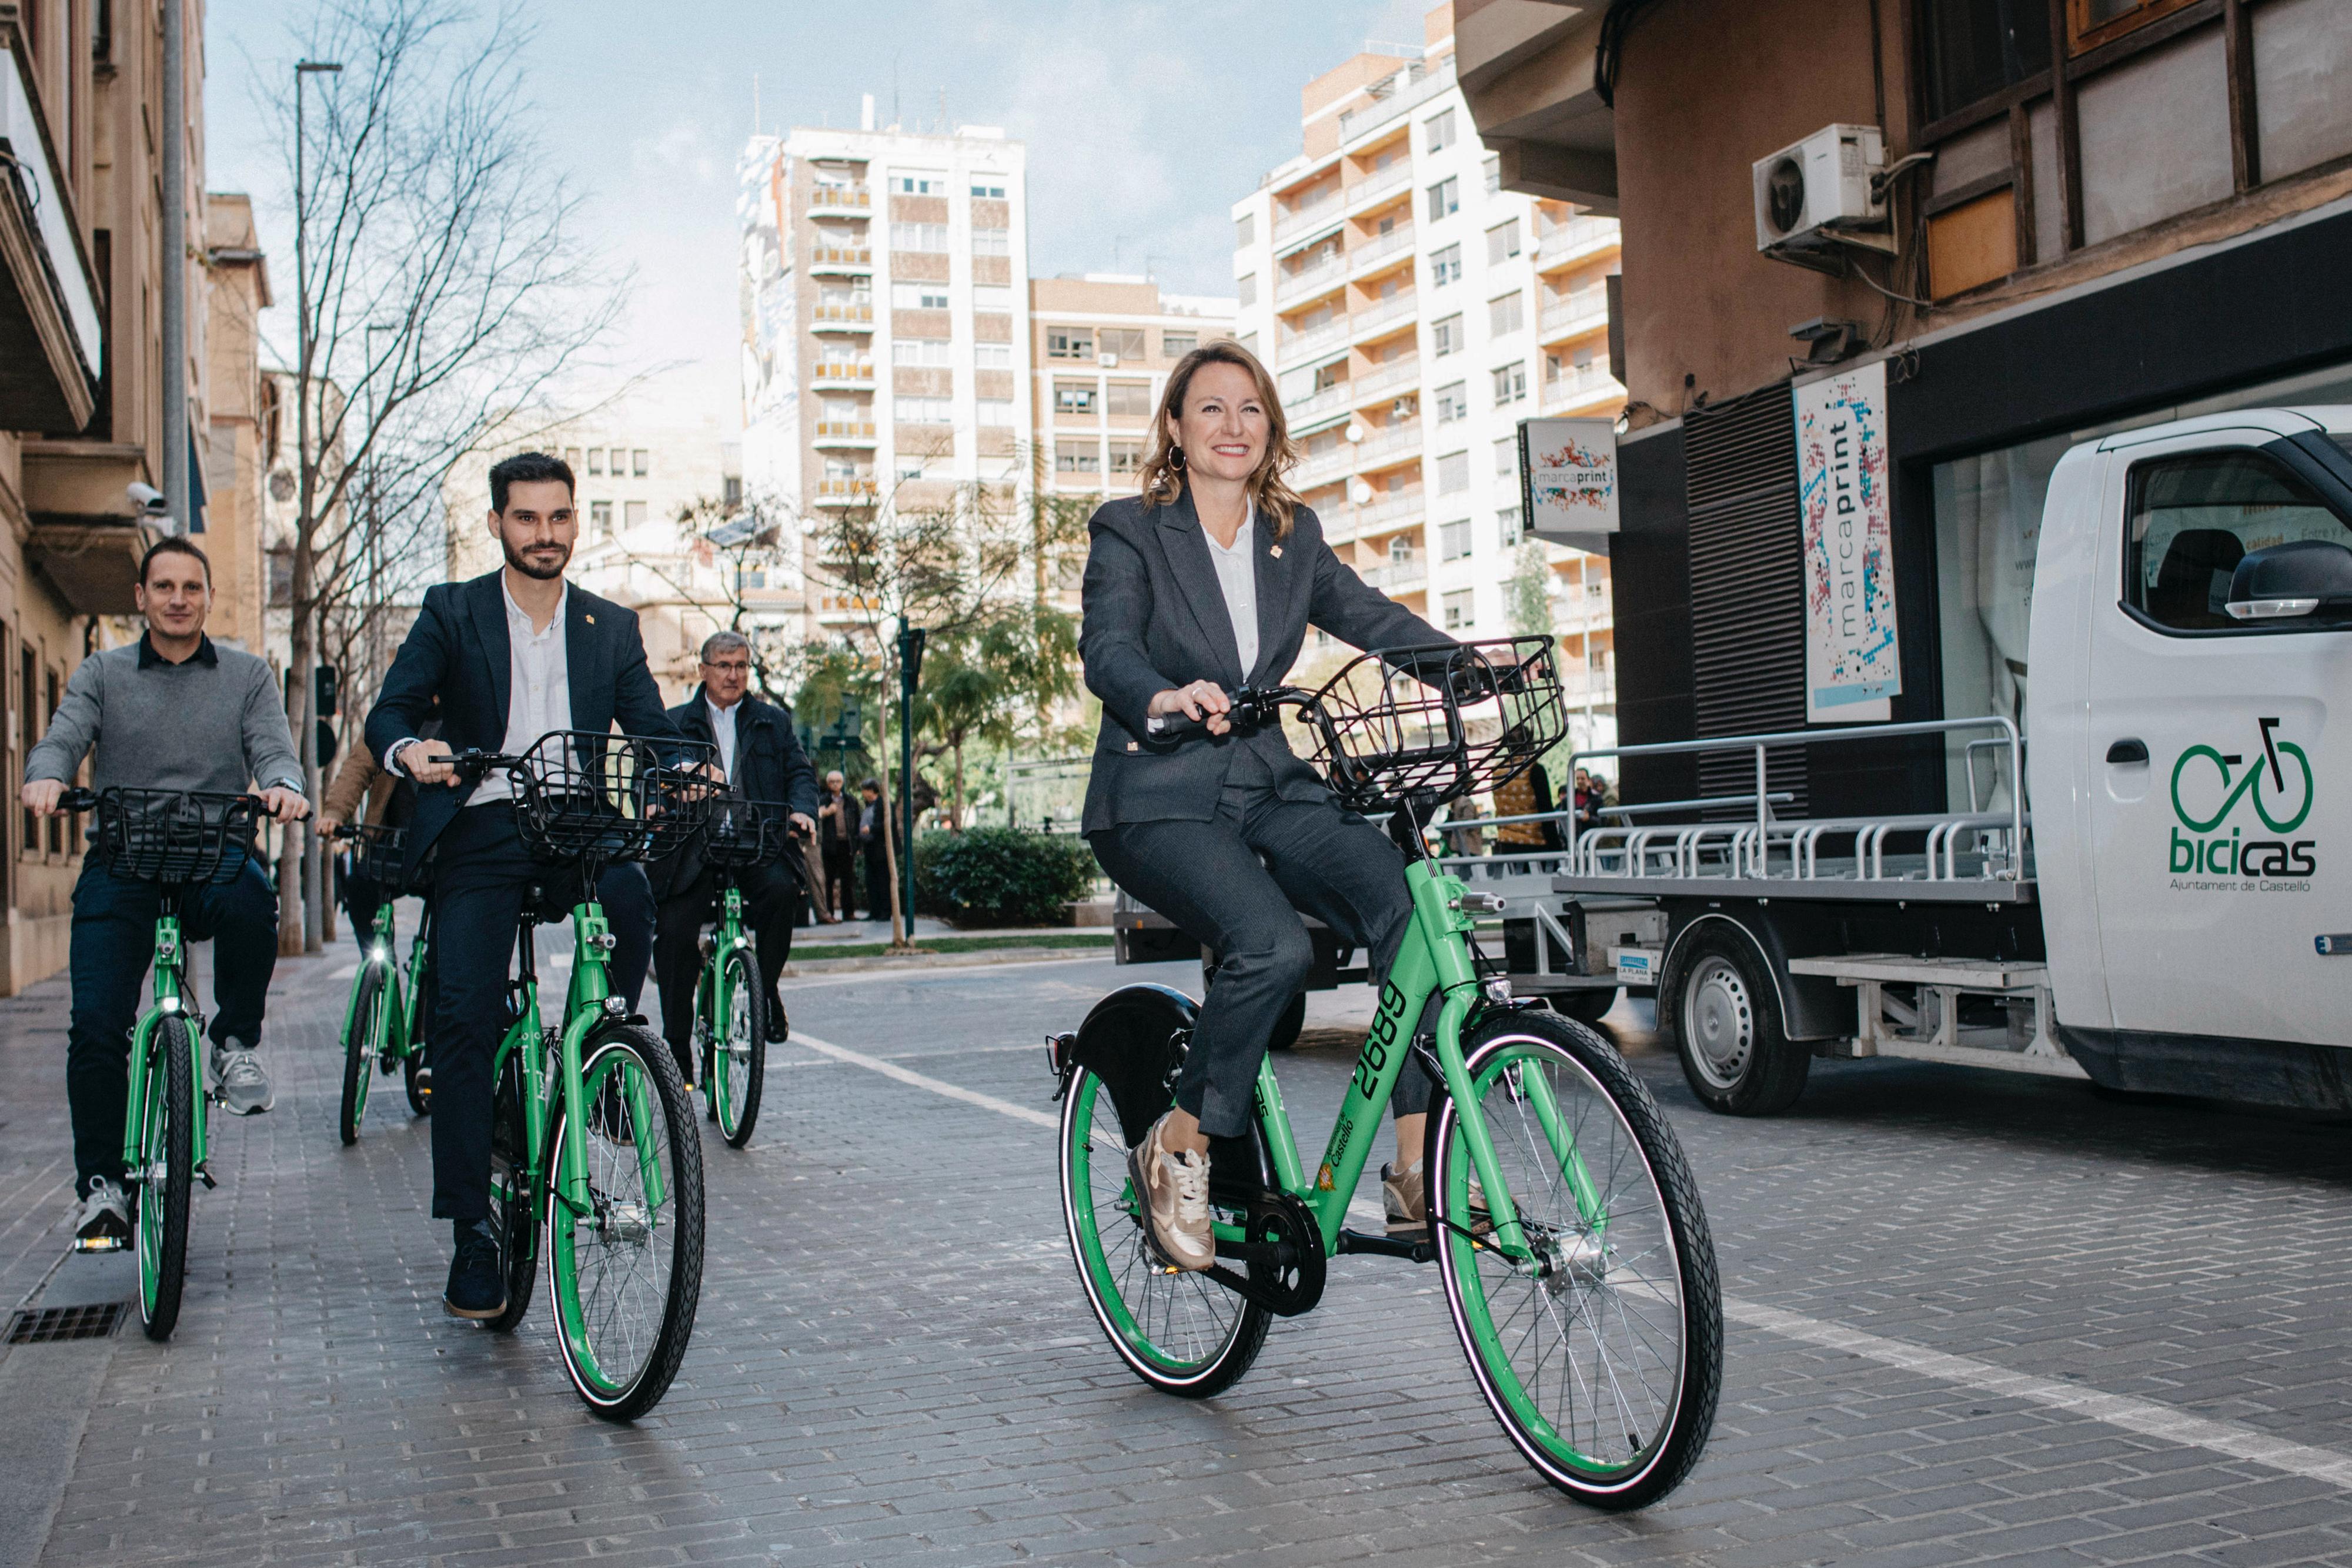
[[212, 724]]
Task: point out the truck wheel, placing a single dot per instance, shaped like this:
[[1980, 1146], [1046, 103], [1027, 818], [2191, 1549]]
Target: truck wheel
[[1585, 1005], [1727, 1028]]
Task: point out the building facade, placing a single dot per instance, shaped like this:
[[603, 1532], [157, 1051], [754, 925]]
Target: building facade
[[241, 426], [1102, 345], [886, 327], [2095, 217], [1414, 311]]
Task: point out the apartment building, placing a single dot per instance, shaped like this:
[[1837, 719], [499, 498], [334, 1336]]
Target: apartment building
[[886, 337], [1102, 345], [1415, 312], [660, 502], [81, 382], [242, 421]]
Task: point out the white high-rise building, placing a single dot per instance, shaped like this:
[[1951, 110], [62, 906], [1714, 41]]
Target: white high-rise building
[[886, 323]]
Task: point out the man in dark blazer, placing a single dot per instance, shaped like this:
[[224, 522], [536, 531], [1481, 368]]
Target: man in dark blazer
[[512, 655], [763, 761]]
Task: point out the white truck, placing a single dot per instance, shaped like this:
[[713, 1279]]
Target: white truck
[[2164, 906]]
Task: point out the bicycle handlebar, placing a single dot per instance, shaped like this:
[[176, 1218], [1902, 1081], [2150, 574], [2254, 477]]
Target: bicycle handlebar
[[1253, 707], [80, 799]]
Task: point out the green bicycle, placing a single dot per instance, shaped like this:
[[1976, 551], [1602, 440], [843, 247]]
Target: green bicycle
[[730, 1004], [179, 841], [1572, 1246], [591, 1127], [383, 1021]]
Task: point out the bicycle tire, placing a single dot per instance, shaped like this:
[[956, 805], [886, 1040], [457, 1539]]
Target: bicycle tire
[[514, 1205], [741, 1051], [168, 1145], [414, 1061], [363, 1042], [1181, 1333], [618, 1061], [1667, 1260]]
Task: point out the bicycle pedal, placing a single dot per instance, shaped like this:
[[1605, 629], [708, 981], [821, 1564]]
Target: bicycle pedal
[[204, 1175], [101, 1244]]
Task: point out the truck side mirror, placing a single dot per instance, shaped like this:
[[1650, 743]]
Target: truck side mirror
[[2299, 578]]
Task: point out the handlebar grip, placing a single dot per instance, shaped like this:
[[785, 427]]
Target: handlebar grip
[[77, 799]]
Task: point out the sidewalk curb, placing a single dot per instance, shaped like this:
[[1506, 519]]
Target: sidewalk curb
[[801, 970]]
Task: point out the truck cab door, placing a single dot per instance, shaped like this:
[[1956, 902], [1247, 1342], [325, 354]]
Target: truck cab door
[[2218, 819]]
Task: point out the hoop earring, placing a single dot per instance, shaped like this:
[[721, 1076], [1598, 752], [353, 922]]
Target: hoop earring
[[1176, 458]]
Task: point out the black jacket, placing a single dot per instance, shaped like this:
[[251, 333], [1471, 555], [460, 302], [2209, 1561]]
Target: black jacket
[[458, 648], [770, 766]]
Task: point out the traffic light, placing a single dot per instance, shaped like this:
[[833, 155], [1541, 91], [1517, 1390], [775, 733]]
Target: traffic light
[[331, 686]]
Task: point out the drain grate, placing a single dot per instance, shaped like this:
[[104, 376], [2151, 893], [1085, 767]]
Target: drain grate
[[50, 1324]]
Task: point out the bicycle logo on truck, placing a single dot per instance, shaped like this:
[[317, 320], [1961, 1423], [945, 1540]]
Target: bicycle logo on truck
[[2207, 790]]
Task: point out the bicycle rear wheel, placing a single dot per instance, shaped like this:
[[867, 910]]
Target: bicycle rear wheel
[[415, 1070], [167, 1145], [1182, 1332], [738, 1064], [363, 1042], [1603, 1357], [514, 1213], [627, 1275]]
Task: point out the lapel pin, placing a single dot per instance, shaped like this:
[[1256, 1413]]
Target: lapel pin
[[1276, 552], [590, 618]]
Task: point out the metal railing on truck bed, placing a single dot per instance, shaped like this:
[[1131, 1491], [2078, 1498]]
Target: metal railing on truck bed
[[1974, 856]]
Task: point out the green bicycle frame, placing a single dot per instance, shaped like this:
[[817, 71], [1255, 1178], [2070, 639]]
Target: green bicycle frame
[[1435, 958], [718, 1009], [397, 1013], [168, 1000]]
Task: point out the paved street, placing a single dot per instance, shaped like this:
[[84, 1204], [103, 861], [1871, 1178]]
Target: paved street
[[1973, 1319]]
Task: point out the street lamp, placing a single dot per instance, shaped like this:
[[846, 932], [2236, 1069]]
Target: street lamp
[[314, 917], [910, 671]]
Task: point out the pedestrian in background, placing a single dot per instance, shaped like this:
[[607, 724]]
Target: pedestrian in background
[[873, 822], [836, 838]]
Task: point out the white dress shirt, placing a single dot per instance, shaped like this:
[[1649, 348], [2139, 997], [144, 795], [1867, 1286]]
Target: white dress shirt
[[1236, 567], [722, 729], [538, 696]]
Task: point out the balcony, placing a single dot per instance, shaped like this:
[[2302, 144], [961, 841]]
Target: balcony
[[1299, 221], [1382, 317], [851, 258], [49, 306], [1324, 274], [1294, 345], [1405, 92], [1586, 310], [1376, 188], [1410, 575], [1386, 448], [851, 199], [842, 374], [1380, 251], [842, 319], [842, 492], [1323, 467], [844, 432], [1575, 240], [1391, 380], [1579, 387], [1320, 406], [1396, 507]]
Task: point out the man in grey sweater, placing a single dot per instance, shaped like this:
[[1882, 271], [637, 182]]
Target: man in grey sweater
[[171, 711]]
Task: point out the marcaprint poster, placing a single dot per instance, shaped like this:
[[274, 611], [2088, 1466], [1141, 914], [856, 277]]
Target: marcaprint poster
[[1852, 661]]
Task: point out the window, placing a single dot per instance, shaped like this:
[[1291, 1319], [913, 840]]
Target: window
[[1458, 609], [1246, 290], [1971, 49], [600, 513], [52, 688], [734, 489], [1452, 402], [1453, 539], [1492, 170], [1446, 267], [991, 297], [633, 515], [989, 192], [2194, 518], [919, 351], [1444, 199], [923, 410], [1506, 457], [1446, 336], [1069, 342], [1244, 231], [597, 460], [1132, 399], [1506, 314], [620, 461], [1502, 243], [1126, 342], [1452, 473], [1439, 129], [29, 729], [993, 356], [919, 185], [1077, 457], [918, 296], [1507, 526], [1127, 456], [1176, 345], [1074, 397], [995, 412], [571, 459], [637, 457], [1510, 383], [919, 236], [1248, 340], [992, 242]]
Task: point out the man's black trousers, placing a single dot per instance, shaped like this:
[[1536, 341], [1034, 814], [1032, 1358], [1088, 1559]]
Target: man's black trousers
[[771, 900], [482, 879]]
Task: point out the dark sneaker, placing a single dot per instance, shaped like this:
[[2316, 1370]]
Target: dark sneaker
[[780, 1028], [478, 1284], [104, 1225]]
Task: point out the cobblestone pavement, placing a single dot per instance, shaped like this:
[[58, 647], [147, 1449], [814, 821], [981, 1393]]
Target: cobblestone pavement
[[1973, 1319]]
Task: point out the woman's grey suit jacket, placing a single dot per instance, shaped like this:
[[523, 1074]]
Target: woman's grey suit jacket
[[1154, 620]]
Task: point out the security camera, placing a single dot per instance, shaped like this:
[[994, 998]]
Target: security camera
[[148, 499]]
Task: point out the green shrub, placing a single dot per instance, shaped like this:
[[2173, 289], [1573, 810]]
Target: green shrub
[[1000, 876]]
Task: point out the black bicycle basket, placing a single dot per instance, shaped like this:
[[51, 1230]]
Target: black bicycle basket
[[181, 837], [742, 833], [1433, 724], [380, 853], [605, 799]]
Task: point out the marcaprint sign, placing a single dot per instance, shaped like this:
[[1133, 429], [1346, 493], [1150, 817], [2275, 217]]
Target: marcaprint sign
[[1567, 474], [1852, 661]]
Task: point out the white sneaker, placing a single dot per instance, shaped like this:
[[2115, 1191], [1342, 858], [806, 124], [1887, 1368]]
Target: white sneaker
[[239, 1079], [104, 1223], [1173, 1185]]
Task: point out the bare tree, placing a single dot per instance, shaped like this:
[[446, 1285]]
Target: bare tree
[[439, 293]]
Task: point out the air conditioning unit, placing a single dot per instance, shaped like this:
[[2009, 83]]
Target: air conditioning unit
[[1109, 362], [1818, 193]]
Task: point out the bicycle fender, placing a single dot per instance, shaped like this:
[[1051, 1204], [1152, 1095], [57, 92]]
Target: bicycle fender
[[1134, 1041]]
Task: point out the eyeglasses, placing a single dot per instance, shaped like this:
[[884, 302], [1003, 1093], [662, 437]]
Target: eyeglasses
[[737, 667]]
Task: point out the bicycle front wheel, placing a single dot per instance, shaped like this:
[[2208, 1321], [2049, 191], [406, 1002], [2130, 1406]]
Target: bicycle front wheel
[[167, 1146], [1601, 1348], [363, 1041], [626, 1271], [738, 1047], [1182, 1332]]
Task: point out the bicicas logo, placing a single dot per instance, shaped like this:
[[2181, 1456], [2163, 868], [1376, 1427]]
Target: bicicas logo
[[2208, 789]]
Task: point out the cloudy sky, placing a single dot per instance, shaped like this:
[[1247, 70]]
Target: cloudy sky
[[1144, 122]]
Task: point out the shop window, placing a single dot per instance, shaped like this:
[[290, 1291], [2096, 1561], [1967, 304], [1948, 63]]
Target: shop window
[[2194, 518], [1971, 49]]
